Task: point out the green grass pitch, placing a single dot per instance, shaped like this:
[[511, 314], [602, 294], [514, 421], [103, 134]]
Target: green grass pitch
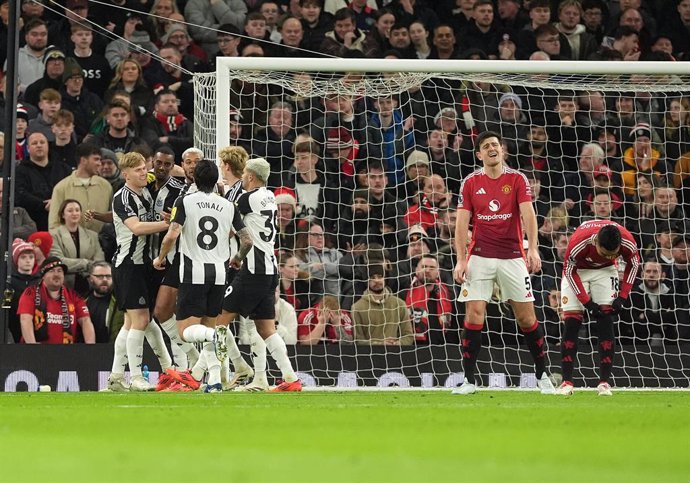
[[501, 436]]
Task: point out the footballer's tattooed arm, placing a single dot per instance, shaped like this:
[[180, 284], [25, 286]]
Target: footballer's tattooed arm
[[245, 245]]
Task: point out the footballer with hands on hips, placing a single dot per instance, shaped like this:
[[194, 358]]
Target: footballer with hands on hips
[[494, 199], [205, 222], [591, 283]]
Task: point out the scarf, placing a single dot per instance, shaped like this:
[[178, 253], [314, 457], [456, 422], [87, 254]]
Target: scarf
[[170, 123], [427, 308], [41, 317]]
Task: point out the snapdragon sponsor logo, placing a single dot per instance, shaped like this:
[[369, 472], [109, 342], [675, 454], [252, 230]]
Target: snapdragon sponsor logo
[[502, 216]]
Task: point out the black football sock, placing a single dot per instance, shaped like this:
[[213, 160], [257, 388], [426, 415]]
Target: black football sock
[[471, 345], [569, 347], [534, 338]]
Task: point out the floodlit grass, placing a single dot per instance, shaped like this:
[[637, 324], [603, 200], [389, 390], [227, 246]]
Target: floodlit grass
[[415, 436]]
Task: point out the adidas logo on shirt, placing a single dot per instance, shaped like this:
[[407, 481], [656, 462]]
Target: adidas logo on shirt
[[480, 191]]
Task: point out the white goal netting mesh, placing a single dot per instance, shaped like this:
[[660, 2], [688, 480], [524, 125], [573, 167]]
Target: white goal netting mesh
[[593, 146]]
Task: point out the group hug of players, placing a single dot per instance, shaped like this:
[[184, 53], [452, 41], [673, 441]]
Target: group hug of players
[[206, 233]]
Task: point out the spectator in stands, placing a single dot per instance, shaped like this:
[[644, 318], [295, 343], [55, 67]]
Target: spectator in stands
[[286, 221], [129, 78], [35, 179], [119, 137], [652, 315], [675, 131], [510, 121], [607, 138], [22, 224], [236, 134], [110, 171], [97, 71], [63, 147], [564, 132], [75, 245], [274, 143], [679, 280], [194, 58], [548, 39], [143, 51], [212, 13], [315, 23], [60, 30], [641, 157], [511, 15], [430, 302], [342, 152], [255, 32], [296, 286], [76, 98], [419, 37], [443, 149], [166, 125], [417, 170], [603, 207], [22, 133], [119, 49], [399, 40], [444, 43], [582, 43], [666, 210], [84, 185], [435, 195], [639, 20], [326, 322], [482, 32], [49, 105], [107, 319], [23, 275], [395, 133], [228, 41], [161, 11], [54, 60], [345, 37], [579, 184], [594, 13], [623, 45], [354, 229], [49, 312], [364, 12], [379, 317], [320, 259], [292, 36], [552, 266], [377, 37], [677, 29], [555, 221], [30, 64], [385, 211], [539, 14], [315, 198]]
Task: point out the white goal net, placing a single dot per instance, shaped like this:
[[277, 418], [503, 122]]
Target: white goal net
[[367, 159]]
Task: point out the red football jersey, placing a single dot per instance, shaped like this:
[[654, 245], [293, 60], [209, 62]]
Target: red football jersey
[[76, 308], [494, 205], [307, 320], [582, 254]]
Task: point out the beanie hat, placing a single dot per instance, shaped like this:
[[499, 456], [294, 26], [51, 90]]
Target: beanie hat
[[108, 154], [53, 53], [22, 114], [20, 246], [338, 138], [175, 27], [43, 240], [287, 196], [142, 41], [509, 96], [51, 263], [72, 69], [641, 129]]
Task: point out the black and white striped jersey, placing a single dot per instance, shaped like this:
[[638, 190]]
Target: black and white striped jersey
[[207, 220], [260, 215], [164, 200], [131, 248], [232, 194]]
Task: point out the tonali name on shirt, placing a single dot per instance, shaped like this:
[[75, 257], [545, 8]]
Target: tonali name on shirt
[[210, 205]]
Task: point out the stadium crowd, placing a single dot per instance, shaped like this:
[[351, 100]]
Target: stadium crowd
[[366, 187]]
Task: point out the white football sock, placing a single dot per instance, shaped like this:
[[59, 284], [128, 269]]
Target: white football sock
[[276, 346], [213, 363], [120, 352], [154, 336], [198, 333], [199, 369], [234, 353], [179, 353], [258, 356], [135, 351], [225, 371]]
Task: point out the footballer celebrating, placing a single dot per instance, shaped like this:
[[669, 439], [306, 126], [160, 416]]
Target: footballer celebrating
[[494, 199], [590, 282]]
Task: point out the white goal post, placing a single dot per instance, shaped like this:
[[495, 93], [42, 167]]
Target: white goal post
[[526, 101]]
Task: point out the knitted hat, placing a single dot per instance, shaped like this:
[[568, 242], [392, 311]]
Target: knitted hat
[[43, 240], [72, 69], [417, 157], [176, 27], [287, 196], [603, 170], [509, 96], [142, 41], [416, 232], [641, 129], [51, 263], [447, 112], [22, 114], [20, 246], [53, 53], [338, 138], [108, 154]]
